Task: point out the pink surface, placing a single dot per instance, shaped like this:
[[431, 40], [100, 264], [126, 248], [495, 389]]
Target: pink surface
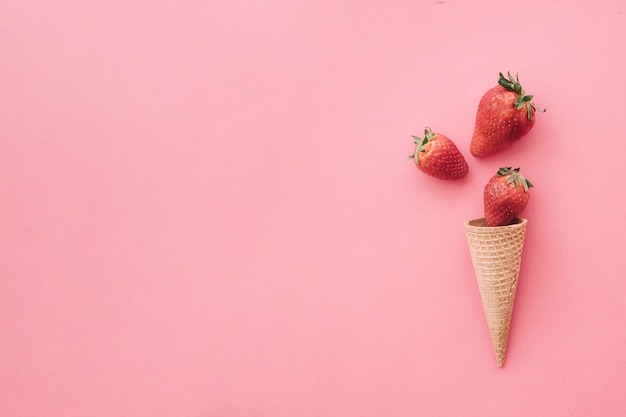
[[208, 211]]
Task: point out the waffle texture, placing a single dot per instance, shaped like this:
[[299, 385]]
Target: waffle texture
[[497, 254]]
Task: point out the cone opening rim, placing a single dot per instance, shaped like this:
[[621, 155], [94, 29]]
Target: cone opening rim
[[480, 223]]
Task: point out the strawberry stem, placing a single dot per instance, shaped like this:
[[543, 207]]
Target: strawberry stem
[[523, 99], [420, 143], [514, 176]]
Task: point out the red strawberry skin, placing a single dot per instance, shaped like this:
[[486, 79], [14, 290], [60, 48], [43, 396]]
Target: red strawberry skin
[[506, 196], [437, 155], [505, 114]]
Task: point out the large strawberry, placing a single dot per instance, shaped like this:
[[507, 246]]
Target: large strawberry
[[506, 196], [436, 155], [505, 114]]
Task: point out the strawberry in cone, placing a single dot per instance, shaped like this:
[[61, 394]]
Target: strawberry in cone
[[496, 242]]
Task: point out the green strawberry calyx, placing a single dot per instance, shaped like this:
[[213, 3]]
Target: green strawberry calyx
[[420, 144], [514, 176], [523, 99]]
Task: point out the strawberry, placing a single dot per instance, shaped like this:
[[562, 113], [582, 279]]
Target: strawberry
[[505, 114], [437, 156], [506, 196]]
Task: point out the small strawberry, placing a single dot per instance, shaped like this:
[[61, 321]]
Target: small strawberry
[[437, 156], [505, 114], [506, 196]]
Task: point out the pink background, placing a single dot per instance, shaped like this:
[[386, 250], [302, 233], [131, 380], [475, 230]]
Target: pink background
[[207, 209]]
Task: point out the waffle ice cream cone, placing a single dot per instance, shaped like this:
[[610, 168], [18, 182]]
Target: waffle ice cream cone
[[496, 254]]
